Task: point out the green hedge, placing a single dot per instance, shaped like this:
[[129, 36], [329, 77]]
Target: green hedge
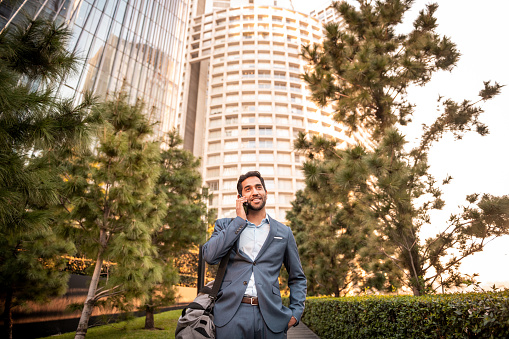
[[466, 315]]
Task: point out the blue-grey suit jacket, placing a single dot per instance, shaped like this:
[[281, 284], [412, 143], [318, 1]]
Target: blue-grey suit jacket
[[279, 248]]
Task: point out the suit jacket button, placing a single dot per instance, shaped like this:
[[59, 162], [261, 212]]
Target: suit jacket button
[[245, 282]]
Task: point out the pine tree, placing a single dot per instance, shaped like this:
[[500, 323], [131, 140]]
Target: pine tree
[[34, 127], [386, 194], [327, 260], [364, 69], [185, 222], [335, 241], [114, 209]]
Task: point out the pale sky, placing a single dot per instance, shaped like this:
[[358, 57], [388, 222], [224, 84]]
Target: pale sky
[[477, 164]]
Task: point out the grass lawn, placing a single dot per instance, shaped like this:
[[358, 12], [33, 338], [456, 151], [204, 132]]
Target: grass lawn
[[133, 329]]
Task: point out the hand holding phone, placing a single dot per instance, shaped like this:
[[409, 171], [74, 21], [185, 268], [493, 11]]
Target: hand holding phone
[[242, 207]]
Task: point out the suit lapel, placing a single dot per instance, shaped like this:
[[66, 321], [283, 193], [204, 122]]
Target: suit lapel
[[270, 237], [240, 252]]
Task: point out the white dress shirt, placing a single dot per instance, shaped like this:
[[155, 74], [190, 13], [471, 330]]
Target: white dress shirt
[[250, 242]]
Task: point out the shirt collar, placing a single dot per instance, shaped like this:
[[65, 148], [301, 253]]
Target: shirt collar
[[264, 221]]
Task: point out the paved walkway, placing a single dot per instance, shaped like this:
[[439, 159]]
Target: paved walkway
[[301, 331]]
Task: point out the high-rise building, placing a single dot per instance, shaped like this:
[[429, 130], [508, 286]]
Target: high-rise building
[[223, 4], [326, 13], [134, 45], [244, 102]]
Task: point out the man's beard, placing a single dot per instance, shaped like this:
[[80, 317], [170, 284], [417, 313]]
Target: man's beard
[[262, 205]]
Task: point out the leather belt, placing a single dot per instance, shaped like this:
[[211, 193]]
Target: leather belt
[[250, 300]]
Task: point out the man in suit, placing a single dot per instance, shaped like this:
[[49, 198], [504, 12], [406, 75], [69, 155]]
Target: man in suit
[[249, 301]]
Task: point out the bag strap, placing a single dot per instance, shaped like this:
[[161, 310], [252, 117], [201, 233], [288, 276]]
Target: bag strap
[[220, 275]]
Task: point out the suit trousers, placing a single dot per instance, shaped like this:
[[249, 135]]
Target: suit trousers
[[247, 323]]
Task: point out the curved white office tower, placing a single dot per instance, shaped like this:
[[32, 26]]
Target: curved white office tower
[[244, 102]]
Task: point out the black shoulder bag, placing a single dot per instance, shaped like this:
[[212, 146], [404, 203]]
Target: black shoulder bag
[[197, 321]]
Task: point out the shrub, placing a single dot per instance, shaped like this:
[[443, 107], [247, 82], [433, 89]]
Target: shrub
[[466, 315]]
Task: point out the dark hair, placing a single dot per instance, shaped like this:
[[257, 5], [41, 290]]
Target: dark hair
[[248, 175]]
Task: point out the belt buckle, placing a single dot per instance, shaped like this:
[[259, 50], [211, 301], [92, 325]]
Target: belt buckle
[[252, 299]]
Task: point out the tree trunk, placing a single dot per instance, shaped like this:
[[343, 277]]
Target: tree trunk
[[8, 313], [88, 306], [149, 318], [416, 291]]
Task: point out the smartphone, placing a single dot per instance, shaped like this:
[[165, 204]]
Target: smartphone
[[245, 205]]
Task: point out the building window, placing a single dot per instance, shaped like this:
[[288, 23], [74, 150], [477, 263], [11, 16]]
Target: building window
[[249, 144], [231, 77], [263, 119], [231, 145], [282, 109], [248, 157], [247, 168], [229, 185], [284, 184], [231, 157], [230, 171], [284, 170], [213, 186], [214, 146], [248, 131], [248, 120], [266, 144], [215, 122], [229, 199], [285, 198], [215, 134], [281, 121], [213, 200], [216, 110], [283, 145], [232, 87], [213, 172], [248, 108], [283, 132], [271, 199], [231, 132], [213, 159], [267, 170], [283, 157], [265, 130], [231, 98], [232, 121], [232, 109], [268, 157], [297, 122], [269, 184]]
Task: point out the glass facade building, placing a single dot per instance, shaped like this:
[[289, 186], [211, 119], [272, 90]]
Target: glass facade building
[[133, 45], [244, 102]]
